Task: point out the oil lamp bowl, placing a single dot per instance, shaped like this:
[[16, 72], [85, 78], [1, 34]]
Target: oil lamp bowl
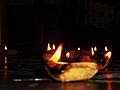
[[75, 71]]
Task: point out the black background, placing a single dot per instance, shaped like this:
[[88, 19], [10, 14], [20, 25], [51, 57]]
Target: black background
[[34, 23]]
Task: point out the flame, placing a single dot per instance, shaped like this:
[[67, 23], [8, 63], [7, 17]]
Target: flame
[[106, 49], [108, 55], [67, 54], [5, 47], [57, 55], [48, 47], [53, 46], [95, 48], [78, 48], [92, 51]]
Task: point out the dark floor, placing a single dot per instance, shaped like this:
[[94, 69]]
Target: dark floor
[[19, 73]]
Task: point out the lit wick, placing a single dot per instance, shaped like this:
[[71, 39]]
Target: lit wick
[[53, 47], [106, 49], [67, 55], [48, 48], [92, 51], [5, 47], [78, 48], [95, 48]]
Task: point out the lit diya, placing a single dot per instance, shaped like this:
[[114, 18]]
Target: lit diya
[[101, 57], [68, 71]]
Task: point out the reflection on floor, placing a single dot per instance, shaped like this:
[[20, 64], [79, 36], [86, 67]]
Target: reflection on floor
[[23, 71]]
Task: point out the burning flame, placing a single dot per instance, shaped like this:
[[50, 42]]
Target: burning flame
[[48, 47], [53, 46], [67, 54], [5, 47], [106, 49], [108, 55], [78, 48], [57, 55], [92, 51], [95, 48]]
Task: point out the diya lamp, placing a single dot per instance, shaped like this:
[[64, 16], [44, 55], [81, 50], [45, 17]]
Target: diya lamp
[[60, 69], [9, 52], [101, 57]]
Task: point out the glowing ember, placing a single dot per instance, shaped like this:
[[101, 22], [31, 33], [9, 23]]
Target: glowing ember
[[106, 49], [108, 55], [48, 47], [53, 46], [67, 55]]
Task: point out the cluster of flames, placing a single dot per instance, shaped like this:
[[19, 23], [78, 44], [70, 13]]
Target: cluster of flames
[[107, 54], [57, 53], [56, 56]]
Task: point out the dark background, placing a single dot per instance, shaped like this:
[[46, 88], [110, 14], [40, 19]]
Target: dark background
[[85, 23]]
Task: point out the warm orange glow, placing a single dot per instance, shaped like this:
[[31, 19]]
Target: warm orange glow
[[5, 48], [106, 49], [53, 46], [57, 55], [108, 76], [62, 63], [48, 47], [5, 60], [109, 86], [78, 48], [79, 71], [5, 67], [108, 55], [95, 48], [92, 51], [67, 54]]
